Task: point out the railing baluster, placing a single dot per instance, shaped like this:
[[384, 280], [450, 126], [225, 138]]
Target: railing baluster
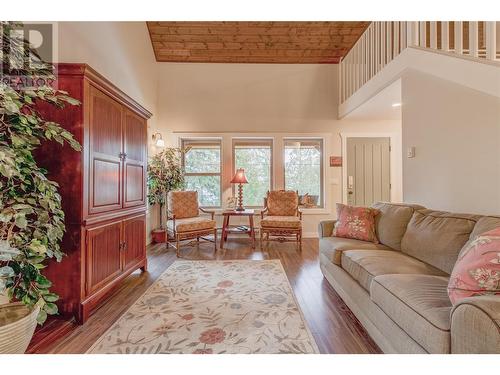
[[396, 38], [433, 34], [377, 47], [367, 57], [473, 38], [422, 34], [459, 45], [404, 40], [389, 41], [413, 33], [491, 40], [383, 37], [445, 36]]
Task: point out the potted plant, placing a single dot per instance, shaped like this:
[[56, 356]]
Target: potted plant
[[31, 218], [165, 174]]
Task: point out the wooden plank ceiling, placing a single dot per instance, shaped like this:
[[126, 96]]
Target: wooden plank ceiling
[[254, 42]]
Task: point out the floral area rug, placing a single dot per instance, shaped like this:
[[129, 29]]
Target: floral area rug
[[205, 307]]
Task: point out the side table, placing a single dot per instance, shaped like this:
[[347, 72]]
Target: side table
[[226, 228]]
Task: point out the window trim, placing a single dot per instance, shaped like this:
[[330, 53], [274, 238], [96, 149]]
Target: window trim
[[253, 141], [205, 141], [321, 140]]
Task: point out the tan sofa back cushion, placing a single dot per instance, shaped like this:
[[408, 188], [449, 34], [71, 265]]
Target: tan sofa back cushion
[[436, 237], [183, 204], [485, 224], [392, 221]]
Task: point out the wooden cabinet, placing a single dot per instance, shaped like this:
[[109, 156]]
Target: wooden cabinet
[[103, 189], [134, 156], [103, 253], [105, 149], [134, 246]]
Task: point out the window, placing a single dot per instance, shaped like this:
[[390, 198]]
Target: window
[[255, 157], [304, 170], [202, 166]]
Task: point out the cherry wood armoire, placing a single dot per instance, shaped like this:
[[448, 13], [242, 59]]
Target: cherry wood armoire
[[103, 189]]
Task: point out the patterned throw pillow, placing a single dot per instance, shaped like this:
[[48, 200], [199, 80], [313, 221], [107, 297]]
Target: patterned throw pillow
[[356, 222], [477, 270]]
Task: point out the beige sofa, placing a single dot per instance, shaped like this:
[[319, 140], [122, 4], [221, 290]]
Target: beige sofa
[[398, 288]]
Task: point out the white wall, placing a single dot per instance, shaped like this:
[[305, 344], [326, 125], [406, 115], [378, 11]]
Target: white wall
[[263, 98], [456, 133], [121, 52]]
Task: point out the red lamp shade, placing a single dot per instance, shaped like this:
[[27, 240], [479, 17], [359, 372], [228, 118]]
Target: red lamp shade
[[239, 177]]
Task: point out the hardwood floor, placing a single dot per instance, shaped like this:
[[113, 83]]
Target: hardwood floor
[[334, 326]]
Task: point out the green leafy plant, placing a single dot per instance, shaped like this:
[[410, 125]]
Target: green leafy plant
[[165, 174], [31, 217]]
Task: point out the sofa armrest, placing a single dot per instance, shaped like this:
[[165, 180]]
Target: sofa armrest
[[475, 325], [325, 228]]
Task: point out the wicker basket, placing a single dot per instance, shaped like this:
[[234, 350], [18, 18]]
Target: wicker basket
[[17, 324]]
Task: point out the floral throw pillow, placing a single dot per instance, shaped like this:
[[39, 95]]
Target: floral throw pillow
[[356, 222], [477, 270]]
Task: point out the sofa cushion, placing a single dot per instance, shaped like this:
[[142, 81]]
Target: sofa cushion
[[437, 237], [485, 224], [392, 221], [332, 247], [419, 304], [191, 223], [364, 265], [281, 222]]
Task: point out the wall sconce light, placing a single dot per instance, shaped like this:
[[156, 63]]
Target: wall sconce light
[[157, 138]]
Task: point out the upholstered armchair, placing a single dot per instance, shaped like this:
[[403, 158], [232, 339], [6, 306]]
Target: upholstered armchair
[[185, 221], [281, 219]]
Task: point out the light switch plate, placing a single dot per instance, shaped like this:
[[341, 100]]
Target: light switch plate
[[410, 152]]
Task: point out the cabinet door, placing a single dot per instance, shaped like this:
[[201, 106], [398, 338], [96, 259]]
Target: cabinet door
[[105, 147], [134, 168], [103, 247], [134, 238]]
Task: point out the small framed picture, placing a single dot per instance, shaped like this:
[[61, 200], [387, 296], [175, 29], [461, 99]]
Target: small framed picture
[[231, 203], [335, 161]]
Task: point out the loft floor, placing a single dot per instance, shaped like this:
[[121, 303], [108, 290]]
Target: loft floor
[[334, 326]]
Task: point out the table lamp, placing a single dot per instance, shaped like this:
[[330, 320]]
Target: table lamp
[[240, 179]]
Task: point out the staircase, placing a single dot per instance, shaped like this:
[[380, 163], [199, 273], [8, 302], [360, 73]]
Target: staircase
[[383, 42]]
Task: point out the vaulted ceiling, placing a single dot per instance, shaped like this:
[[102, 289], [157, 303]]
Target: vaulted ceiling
[[254, 42]]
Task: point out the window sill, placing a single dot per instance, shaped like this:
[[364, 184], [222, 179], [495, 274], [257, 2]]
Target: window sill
[[305, 211]]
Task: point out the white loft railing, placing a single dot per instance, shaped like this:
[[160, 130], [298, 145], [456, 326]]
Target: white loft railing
[[383, 41]]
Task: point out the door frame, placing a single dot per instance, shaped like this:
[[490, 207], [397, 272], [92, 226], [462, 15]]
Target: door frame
[[395, 185]]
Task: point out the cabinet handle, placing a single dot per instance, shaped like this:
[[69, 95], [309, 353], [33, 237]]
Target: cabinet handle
[[122, 156], [124, 246]]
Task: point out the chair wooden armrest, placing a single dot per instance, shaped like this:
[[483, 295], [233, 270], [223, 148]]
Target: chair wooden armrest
[[212, 213], [262, 212]]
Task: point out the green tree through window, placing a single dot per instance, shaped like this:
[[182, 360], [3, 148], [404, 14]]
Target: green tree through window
[[304, 169], [254, 156], [202, 165]]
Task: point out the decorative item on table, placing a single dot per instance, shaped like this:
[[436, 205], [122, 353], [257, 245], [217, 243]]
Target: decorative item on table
[[240, 179], [335, 161], [308, 201], [231, 203]]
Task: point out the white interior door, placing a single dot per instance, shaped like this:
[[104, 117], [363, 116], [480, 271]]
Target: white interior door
[[368, 170]]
